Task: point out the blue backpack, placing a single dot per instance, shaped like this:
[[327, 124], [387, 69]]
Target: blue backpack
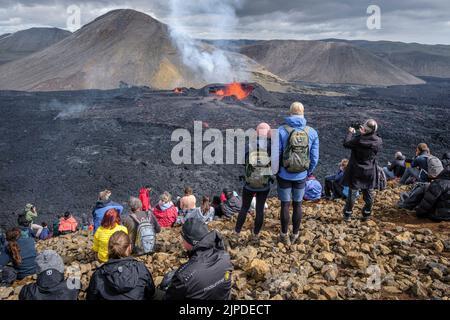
[[313, 189]]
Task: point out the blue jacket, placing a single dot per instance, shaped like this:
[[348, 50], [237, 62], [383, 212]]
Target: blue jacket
[[100, 209], [421, 162], [337, 177], [298, 123], [28, 254], [45, 234]]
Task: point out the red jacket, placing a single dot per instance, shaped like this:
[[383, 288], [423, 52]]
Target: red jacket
[[69, 225], [167, 217], [145, 199]]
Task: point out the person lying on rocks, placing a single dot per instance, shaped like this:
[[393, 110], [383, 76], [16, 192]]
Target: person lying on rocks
[[18, 259], [122, 277], [165, 212], [104, 204], [110, 224], [142, 227], [50, 283], [207, 274]]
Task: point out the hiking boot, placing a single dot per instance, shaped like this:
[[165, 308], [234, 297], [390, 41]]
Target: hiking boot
[[284, 238], [347, 216], [366, 214], [254, 237], [294, 237]]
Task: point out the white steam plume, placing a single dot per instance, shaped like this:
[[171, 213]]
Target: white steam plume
[[212, 65]]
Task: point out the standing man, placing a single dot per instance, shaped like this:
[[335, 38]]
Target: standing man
[[297, 157], [361, 170]]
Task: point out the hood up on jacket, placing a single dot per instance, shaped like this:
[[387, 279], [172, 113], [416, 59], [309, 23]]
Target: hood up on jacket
[[121, 275], [211, 241]]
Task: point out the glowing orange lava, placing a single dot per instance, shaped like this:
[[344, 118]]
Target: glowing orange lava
[[234, 89]]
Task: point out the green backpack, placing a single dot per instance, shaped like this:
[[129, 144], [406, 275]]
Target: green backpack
[[258, 169], [296, 155]]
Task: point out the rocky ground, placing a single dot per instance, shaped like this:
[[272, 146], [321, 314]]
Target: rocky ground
[[394, 256]]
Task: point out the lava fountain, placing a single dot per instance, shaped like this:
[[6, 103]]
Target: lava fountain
[[235, 89]]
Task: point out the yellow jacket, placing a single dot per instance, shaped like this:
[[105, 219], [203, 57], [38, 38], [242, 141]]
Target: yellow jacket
[[101, 239]]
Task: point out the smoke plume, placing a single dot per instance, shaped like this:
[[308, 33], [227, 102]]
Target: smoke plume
[[211, 64]]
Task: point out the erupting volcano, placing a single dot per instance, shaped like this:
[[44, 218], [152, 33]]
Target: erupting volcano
[[235, 89]]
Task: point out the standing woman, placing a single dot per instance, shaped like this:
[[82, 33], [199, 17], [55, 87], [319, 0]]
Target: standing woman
[[110, 225], [20, 252], [258, 176]]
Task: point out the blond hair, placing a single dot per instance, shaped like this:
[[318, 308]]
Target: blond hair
[[104, 195], [118, 245], [344, 163], [297, 108], [165, 197]]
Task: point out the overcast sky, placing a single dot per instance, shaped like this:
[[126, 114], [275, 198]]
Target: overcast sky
[[424, 21]]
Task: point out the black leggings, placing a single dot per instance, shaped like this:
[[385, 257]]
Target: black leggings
[[247, 197], [296, 216]]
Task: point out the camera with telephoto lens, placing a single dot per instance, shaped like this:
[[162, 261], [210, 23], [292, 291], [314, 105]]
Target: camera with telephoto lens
[[356, 126]]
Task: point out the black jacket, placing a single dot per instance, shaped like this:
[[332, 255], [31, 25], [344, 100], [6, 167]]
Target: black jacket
[[121, 279], [436, 201], [50, 285], [361, 169], [398, 166], [446, 160], [207, 274]]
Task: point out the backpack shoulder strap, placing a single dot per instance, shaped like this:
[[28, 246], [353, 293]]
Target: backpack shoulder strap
[[307, 129], [289, 129], [134, 217]]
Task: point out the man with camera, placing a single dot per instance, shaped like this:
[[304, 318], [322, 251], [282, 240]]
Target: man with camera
[[361, 170]]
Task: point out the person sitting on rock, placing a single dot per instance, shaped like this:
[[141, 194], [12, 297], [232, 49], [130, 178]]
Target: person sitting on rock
[[45, 234], [25, 226], [232, 205], [122, 277], [435, 204], [361, 170], [207, 274], [333, 188], [205, 213], [30, 213], [50, 283], [257, 179], [313, 189], [104, 204], [188, 201], [397, 168], [67, 224], [419, 166], [110, 225], [144, 196], [18, 258], [142, 227], [165, 212], [216, 204]]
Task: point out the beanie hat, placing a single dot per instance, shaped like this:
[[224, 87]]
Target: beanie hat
[[47, 260], [194, 230]]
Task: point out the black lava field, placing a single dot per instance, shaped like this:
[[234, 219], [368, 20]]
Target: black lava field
[[58, 149]]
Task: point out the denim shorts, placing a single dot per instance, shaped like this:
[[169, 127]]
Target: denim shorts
[[287, 188]]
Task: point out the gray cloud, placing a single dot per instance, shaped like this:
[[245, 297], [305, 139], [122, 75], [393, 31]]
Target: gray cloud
[[425, 21]]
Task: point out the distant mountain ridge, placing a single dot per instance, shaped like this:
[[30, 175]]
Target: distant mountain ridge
[[14, 46]]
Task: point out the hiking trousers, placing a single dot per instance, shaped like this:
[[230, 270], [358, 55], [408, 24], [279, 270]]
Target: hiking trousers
[[368, 196], [247, 197]]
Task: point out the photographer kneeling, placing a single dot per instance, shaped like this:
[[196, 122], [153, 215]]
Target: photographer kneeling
[[361, 170]]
